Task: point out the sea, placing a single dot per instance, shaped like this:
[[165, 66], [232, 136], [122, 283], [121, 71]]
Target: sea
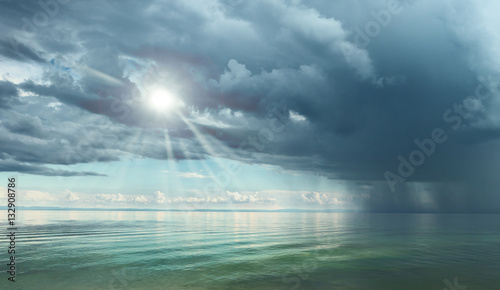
[[68, 249]]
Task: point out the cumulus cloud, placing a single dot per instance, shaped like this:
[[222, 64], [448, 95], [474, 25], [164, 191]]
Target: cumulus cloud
[[37, 196], [231, 197], [237, 197], [296, 117], [320, 198], [140, 199], [198, 200], [159, 197], [71, 196], [102, 197]]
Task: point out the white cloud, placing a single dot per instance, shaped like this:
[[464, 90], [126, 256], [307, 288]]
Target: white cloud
[[35, 195], [191, 199], [237, 197], [187, 174], [217, 199], [56, 106], [296, 117], [225, 118], [232, 197], [102, 197], [315, 197], [140, 199], [71, 196], [159, 197], [320, 198]]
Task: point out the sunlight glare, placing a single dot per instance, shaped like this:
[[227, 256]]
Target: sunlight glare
[[163, 100]]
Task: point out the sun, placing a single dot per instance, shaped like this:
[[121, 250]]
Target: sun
[[163, 100]]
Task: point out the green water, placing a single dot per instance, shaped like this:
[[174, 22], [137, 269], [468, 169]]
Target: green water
[[245, 250]]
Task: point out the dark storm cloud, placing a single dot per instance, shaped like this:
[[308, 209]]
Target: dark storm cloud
[[27, 125], [8, 95], [11, 48], [8, 165], [349, 109], [54, 137]]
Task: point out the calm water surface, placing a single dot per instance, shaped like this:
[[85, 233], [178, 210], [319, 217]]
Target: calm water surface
[[252, 250]]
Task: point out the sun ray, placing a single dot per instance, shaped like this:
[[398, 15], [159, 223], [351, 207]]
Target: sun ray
[[168, 145], [205, 144]]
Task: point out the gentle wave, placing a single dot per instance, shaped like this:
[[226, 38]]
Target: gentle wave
[[175, 250]]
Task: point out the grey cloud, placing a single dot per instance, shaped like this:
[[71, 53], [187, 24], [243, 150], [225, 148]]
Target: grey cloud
[[27, 125], [8, 95], [13, 49], [13, 166]]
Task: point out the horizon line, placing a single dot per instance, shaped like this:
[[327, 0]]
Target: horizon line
[[245, 210]]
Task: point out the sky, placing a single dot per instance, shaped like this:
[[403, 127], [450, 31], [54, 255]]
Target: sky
[[380, 106]]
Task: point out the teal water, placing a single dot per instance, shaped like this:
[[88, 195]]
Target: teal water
[[253, 250]]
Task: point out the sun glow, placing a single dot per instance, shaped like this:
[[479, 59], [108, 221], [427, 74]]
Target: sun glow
[[163, 100]]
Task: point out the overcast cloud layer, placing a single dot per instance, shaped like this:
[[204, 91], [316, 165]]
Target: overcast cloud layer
[[317, 86]]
